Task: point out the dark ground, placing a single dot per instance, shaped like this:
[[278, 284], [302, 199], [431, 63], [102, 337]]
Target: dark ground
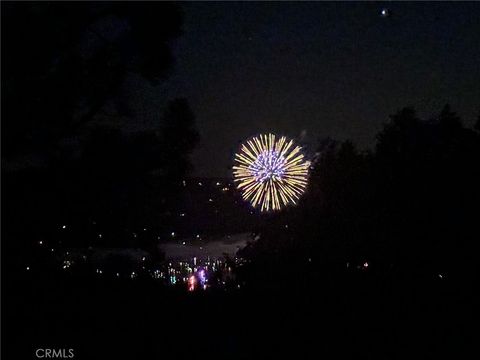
[[351, 315]]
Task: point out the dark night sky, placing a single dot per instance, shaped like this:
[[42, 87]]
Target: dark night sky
[[312, 70]]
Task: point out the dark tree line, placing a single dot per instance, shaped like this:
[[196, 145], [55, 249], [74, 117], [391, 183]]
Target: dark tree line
[[65, 155], [410, 205]]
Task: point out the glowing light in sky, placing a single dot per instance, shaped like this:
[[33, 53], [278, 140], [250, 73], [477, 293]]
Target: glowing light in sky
[[271, 173]]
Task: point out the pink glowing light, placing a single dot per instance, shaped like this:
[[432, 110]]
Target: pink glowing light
[[192, 282]]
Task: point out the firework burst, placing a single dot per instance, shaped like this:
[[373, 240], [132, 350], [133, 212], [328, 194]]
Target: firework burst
[[270, 173]]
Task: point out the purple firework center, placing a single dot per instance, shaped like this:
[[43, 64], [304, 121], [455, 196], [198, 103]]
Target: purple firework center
[[269, 165]]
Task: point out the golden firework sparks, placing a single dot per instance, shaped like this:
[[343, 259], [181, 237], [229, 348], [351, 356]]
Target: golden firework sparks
[[270, 173]]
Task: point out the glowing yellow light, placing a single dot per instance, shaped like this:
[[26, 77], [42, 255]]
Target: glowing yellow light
[[270, 173]]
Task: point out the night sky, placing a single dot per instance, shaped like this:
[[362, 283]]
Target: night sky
[[312, 70]]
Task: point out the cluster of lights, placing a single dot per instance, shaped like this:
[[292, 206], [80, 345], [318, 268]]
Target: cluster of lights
[[157, 274], [194, 277], [173, 276], [197, 277]]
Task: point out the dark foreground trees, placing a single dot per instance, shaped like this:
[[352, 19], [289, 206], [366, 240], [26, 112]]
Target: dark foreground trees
[[411, 205], [74, 148]]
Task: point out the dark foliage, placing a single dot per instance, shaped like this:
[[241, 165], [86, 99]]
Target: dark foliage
[[411, 205], [71, 60], [61, 78]]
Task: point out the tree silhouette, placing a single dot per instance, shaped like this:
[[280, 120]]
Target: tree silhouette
[[477, 123], [179, 135], [65, 66], [449, 120], [410, 203], [64, 63]]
